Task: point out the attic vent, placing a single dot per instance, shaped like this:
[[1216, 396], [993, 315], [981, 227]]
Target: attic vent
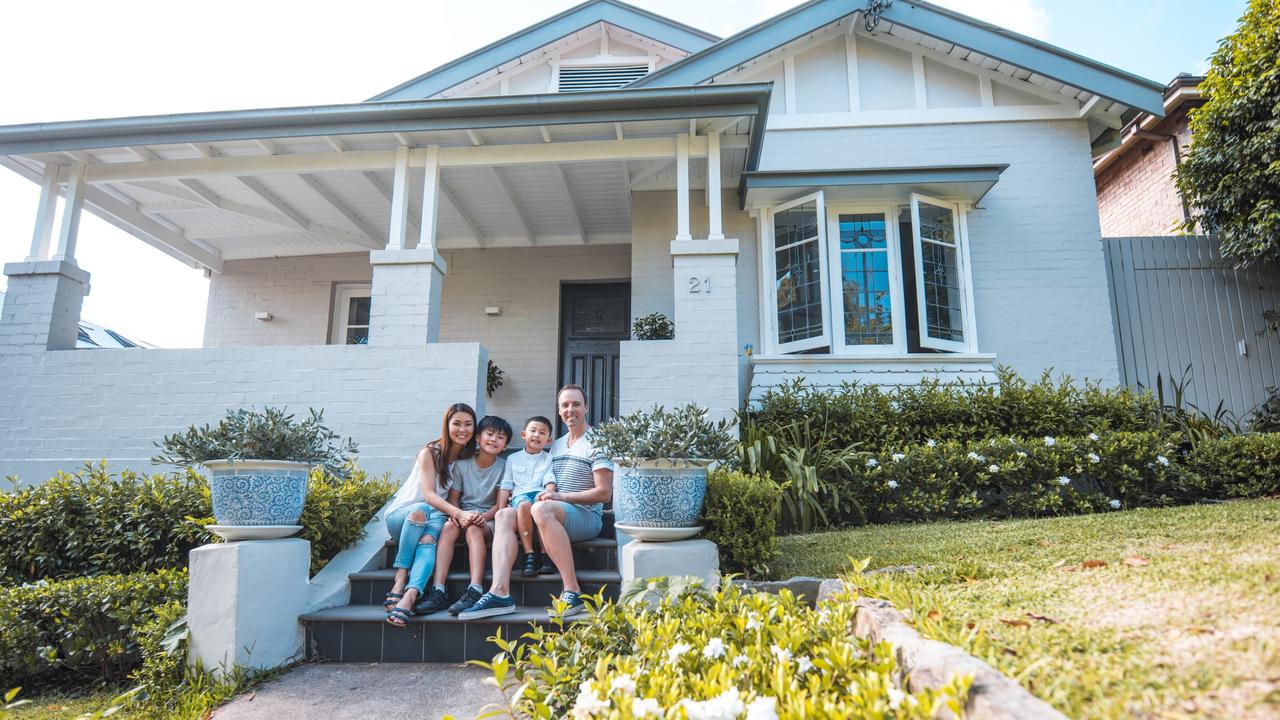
[[573, 79]]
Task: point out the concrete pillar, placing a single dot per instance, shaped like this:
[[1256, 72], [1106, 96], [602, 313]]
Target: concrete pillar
[[405, 297], [243, 603], [682, 558], [706, 302], [42, 305]]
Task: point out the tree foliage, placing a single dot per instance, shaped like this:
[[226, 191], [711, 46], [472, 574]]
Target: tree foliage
[[1231, 176]]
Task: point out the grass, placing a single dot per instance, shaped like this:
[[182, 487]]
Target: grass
[[1169, 613], [62, 705]]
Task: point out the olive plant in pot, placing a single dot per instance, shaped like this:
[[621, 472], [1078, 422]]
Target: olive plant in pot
[[258, 463], [663, 457]]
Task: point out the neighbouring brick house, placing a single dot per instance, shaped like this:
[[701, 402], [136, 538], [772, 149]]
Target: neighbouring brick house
[[827, 194], [1137, 196]]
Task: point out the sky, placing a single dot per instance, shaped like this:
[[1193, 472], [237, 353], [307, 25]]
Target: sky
[[81, 59]]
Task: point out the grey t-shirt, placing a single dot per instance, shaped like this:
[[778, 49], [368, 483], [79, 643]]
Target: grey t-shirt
[[478, 486]]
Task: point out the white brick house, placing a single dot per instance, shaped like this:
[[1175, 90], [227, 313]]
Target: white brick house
[[826, 194]]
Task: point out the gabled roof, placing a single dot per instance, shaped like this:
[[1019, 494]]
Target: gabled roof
[[553, 28], [990, 40]]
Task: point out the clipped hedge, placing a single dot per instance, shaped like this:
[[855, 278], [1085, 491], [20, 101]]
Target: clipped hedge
[[722, 655], [741, 517], [80, 631], [872, 418], [1008, 477], [1242, 466], [94, 522]]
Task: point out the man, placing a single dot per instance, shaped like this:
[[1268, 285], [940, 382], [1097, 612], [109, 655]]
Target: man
[[573, 512]]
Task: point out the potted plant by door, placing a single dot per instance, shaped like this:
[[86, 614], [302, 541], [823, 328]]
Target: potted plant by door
[[663, 458], [259, 464]]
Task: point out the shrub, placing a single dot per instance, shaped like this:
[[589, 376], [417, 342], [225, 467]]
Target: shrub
[[684, 433], [741, 515], [80, 631], [717, 655], [268, 435], [162, 644], [654, 326], [96, 523], [1266, 417], [1243, 466]]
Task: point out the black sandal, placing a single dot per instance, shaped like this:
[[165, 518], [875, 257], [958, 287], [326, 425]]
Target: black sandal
[[399, 617], [391, 600]]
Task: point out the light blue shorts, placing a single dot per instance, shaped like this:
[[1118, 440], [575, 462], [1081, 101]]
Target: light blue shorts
[[580, 522], [529, 497]]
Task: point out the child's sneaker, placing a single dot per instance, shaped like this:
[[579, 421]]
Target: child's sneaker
[[435, 601], [487, 606], [573, 604], [530, 568], [545, 566], [469, 597]]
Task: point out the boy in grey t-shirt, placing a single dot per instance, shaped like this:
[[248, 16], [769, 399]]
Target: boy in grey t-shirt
[[473, 487]]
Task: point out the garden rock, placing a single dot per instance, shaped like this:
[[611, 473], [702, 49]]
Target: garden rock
[[803, 587], [930, 664]]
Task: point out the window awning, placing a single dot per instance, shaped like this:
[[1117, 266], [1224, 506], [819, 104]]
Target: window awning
[[969, 183]]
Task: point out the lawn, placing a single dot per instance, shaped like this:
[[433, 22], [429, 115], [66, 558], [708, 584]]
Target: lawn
[[62, 706], [1170, 613]]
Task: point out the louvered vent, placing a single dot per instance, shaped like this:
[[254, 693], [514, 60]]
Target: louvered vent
[[574, 79]]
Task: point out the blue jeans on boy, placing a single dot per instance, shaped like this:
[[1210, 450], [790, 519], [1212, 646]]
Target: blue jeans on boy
[[411, 554]]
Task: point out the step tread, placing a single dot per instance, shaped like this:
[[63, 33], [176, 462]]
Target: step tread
[[595, 542], [375, 614], [586, 576]]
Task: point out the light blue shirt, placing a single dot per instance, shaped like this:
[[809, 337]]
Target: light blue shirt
[[527, 472]]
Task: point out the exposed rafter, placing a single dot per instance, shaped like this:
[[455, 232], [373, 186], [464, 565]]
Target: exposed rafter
[[649, 172], [546, 134], [575, 215], [467, 220], [505, 185], [326, 193]]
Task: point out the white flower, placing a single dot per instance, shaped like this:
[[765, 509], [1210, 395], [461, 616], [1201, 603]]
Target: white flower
[[1093, 458], [1115, 504], [897, 457], [804, 665], [725, 706], [1020, 454], [1050, 440], [783, 654], [1064, 480], [1093, 436], [714, 648], [975, 456], [752, 623], [763, 708], [927, 443], [893, 484], [1162, 460], [625, 683], [588, 704], [740, 660], [993, 468], [645, 707], [673, 655], [896, 697], [872, 462]]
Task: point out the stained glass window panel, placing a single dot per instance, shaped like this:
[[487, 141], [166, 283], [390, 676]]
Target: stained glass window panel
[[865, 280], [798, 273], [939, 260]]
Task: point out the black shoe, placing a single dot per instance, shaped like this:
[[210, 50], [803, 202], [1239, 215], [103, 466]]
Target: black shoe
[[545, 566], [470, 597], [530, 565], [434, 602]]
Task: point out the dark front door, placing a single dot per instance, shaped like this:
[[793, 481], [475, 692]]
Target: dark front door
[[594, 318]]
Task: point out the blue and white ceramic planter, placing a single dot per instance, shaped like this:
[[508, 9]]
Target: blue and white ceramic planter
[[257, 492], [661, 494]]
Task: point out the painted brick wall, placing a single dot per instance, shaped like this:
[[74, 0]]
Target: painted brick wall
[[1040, 285], [64, 408], [1136, 193]]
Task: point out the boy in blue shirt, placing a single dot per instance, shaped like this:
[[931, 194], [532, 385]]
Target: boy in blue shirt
[[527, 474]]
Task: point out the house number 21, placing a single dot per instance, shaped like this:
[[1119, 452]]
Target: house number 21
[[700, 286]]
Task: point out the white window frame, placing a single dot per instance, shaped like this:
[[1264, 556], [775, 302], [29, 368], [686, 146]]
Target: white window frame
[[896, 292], [769, 256], [962, 269], [342, 296]]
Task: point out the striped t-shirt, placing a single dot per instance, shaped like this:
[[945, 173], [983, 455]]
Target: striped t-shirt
[[574, 466]]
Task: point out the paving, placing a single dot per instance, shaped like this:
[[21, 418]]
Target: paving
[[335, 691]]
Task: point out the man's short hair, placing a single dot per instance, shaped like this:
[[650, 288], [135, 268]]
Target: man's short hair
[[540, 419], [495, 423], [572, 386]]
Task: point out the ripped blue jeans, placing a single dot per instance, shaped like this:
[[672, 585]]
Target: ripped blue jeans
[[412, 554]]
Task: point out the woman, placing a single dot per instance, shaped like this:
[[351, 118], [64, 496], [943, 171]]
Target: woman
[[419, 511]]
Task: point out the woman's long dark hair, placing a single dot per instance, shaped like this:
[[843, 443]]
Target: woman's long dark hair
[[445, 443]]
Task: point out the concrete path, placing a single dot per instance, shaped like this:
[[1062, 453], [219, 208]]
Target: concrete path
[[335, 691]]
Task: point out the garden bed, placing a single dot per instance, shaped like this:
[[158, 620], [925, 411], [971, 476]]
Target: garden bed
[[1164, 613]]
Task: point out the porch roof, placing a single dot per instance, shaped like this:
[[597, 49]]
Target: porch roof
[[970, 182], [556, 168]]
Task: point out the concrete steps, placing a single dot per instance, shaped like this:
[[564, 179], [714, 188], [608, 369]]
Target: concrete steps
[[358, 631]]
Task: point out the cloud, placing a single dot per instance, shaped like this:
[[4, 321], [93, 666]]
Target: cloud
[[1028, 17]]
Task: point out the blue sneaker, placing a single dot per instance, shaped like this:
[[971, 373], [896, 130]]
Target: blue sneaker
[[573, 604], [487, 606]]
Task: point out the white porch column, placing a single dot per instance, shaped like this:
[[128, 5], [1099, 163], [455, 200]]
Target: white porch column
[[715, 220], [71, 214], [405, 297], [42, 237], [682, 188]]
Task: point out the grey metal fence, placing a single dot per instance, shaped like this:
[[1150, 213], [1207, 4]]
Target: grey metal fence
[[1177, 304]]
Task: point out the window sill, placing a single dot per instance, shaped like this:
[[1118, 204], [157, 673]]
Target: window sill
[[905, 358]]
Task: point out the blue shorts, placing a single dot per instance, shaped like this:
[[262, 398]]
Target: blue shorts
[[580, 522], [529, 497]]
